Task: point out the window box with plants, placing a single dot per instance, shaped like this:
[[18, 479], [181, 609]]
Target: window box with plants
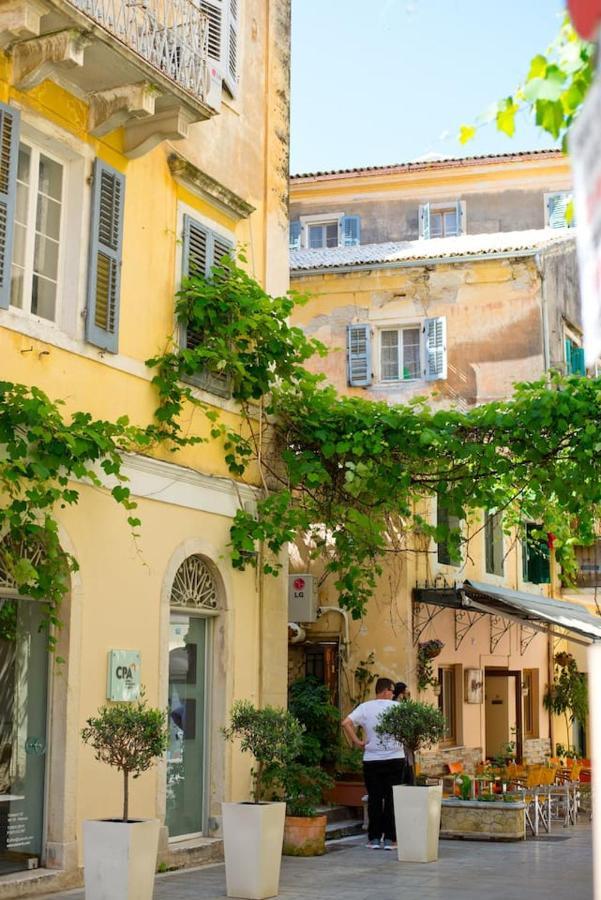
[[417, 808], [253, 830], [120, 854]]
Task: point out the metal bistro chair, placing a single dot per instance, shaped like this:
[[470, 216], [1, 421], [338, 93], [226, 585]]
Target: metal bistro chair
[[535, 795]]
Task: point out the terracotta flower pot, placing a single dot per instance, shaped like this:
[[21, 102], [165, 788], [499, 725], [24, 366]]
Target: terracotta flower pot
[[305, 835]]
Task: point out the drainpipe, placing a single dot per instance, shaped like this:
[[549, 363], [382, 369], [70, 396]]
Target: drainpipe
[[544, 314]]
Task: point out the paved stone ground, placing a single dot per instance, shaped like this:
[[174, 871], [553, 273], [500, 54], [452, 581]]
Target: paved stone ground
[[557, 865]]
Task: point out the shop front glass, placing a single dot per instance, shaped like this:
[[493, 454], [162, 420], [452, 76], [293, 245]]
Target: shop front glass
[[23, 699], [185, 757]]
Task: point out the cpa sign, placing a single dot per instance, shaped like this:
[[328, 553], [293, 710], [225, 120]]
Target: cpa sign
[[123, 675]]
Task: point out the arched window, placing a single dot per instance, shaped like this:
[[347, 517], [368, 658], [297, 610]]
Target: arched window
[[194, 585]]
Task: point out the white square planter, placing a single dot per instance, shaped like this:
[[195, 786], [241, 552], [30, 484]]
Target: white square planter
[[120, 859], [252, 844], [417, 820]]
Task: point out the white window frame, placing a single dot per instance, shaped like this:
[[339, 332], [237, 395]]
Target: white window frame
[[30, 232], [319, 219], [395, 326], [77, 158]]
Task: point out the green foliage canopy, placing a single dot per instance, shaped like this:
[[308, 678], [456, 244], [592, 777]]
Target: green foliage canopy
[[414, 724]]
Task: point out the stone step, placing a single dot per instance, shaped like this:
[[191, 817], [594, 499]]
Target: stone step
[[339, 813], [348, 828]]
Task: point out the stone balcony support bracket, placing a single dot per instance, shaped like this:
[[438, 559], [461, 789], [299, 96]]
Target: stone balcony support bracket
[[20, 20], [117, 107], [170, 124], [36, 59]]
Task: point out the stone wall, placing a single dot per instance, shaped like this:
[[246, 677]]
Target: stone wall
[[434, 762], [482, 821], [536, 750]]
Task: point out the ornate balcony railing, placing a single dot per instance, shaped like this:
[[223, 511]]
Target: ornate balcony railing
[[171, 35]]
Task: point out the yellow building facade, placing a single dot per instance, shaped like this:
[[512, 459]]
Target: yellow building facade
[[450, 280], [135, 139]]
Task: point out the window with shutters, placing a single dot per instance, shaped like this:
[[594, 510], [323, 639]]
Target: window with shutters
[[316, 232], [36, 253], [493, 543], [574, 357], [535, 556], [202, 249], [438, 220], [400, 358], [447, 703], [224, 39], [559, 212]]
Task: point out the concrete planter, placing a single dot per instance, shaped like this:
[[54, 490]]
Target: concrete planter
[[474, 820], [120, 859], [305, 835], [252, 845], [417, 820]]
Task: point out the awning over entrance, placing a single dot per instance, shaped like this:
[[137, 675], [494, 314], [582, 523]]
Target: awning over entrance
[[527, 609]]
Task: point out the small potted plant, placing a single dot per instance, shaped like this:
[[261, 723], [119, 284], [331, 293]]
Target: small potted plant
[[416, 809], [253, 830], [302, 787], [120, 854]]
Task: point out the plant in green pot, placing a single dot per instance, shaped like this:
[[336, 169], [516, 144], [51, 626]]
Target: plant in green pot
[[415, 725], [253, 830], [120, 854]]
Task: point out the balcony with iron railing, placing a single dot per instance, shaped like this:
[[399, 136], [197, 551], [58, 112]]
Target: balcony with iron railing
[[143, 65]]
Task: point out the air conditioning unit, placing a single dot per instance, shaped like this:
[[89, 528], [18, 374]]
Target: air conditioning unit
[[302, 598]]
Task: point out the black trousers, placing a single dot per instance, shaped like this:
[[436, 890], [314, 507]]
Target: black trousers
[[380, 776]]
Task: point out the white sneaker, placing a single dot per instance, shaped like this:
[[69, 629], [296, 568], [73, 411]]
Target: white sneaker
[[373, 845], [390, 845]]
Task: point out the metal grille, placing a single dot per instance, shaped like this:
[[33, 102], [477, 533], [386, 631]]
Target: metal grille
[[171, 35], [194, 585]]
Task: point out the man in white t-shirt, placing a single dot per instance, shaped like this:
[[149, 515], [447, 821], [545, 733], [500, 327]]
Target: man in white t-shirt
[[383, 763]]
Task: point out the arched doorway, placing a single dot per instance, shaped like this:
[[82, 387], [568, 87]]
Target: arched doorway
[[193, 604], [23, 723]]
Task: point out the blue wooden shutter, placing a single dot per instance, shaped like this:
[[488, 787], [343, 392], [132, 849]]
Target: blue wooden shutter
[[568, 353], [9, 158], [556, 210], [435, 348], [424, 221], [351, 231], [459, 214], [106, 247], [295, 230], [358, 353], [202, 249]]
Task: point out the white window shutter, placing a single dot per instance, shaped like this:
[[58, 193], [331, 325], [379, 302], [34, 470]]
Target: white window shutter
[[358, 352], [214, 10], [232, 38], [435, 348], [424, 221], [9, 158]]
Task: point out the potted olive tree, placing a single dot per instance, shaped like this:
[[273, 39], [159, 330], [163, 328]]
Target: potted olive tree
[[253, 830], [120, 854], [416, 808]]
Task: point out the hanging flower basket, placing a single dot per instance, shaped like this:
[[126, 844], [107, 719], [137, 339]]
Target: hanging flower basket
[[564, 658], [430, 649]]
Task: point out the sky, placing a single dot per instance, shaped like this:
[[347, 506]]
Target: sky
[[392, 80]]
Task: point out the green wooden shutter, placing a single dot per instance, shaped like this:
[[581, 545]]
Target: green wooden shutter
[[537, 566], [202, 249], [9, 158], [351, 231], [568, 354], [106, 247], [435, 348], [578, 364], [358, 350]]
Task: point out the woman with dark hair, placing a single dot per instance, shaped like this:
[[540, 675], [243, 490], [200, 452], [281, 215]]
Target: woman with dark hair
[[400, 691]]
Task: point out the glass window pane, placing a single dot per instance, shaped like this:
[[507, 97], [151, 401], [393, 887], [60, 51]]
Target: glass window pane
[[16, 288], [48, 217], [43, 297], [389, 355], [51, 177], [315, 237], [332, 234], [24, 164], [435, 224], [411, 340], [45, 259], [22, 202], [450, 223]]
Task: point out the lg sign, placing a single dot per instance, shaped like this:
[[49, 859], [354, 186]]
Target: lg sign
[[299, 584], [301, 599]]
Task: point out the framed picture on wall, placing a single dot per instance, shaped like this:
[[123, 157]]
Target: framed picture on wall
[[474, 685]]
